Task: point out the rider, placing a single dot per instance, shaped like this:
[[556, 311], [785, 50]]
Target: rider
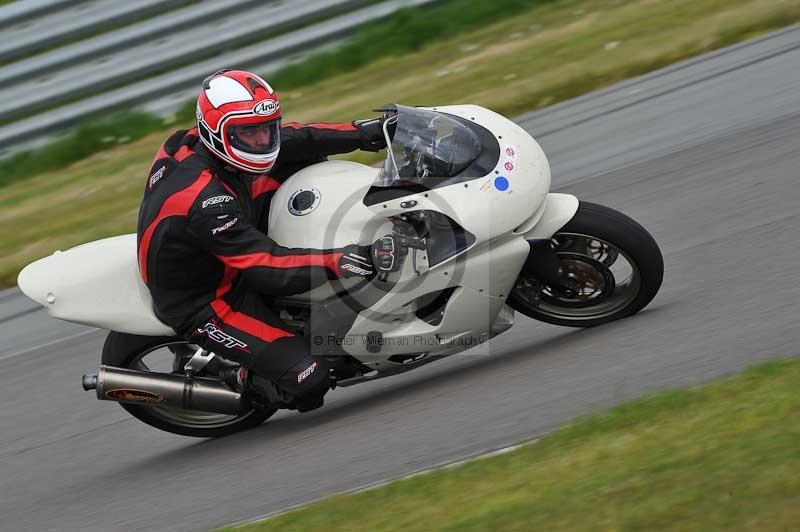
[[203, 247]]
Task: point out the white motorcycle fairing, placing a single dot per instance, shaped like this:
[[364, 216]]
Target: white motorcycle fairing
[[99, 284], [96, 284]]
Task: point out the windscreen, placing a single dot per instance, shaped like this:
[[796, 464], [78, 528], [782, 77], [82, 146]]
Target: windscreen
[[426, 145]]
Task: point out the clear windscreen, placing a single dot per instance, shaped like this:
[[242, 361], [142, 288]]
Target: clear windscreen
[[425, 145]]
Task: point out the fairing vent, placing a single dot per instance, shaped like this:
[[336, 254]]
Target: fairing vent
[[433, 306], [446, 239]]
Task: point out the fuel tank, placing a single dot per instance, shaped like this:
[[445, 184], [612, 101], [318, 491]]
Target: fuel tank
[[321, 207]]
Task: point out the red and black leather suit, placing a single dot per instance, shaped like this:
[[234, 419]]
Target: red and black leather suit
[[205, 256]]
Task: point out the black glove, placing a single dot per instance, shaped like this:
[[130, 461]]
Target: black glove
[[387, 254], [356, 261], [371, 132]]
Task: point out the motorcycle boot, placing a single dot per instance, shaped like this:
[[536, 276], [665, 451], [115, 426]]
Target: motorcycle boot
[[307, 382], [300, 388], [235, 377], [258, 389]]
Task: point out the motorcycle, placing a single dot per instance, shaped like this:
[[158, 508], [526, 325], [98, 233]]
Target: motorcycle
[[466, 193]]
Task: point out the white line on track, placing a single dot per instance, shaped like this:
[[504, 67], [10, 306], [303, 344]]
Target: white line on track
[[47, 344], [381, 483]]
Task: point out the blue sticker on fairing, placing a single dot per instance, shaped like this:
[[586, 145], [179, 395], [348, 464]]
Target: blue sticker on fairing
[[501, 183]]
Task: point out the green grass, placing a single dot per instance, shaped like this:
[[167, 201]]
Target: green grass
[[721, 457], [540, 56], [89, 138], [408, 30]]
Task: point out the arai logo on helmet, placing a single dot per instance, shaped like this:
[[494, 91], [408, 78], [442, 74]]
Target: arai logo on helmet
[[266, 107]]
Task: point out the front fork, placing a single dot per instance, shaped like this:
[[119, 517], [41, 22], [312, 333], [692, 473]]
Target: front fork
[[545, 266]]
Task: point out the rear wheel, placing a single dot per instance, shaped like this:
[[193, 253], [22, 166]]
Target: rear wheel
[[167, 355], [609, 267]]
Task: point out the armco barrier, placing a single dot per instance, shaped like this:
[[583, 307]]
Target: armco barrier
[[79, 20], [107, 43], [21, 10], [158, 54], [264, 56]]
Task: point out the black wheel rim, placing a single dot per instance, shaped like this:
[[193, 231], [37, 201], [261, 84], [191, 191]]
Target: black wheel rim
[[601, 280]]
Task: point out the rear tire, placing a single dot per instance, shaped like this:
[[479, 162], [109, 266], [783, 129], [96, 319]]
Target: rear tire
[[127, 350], [590, 246]]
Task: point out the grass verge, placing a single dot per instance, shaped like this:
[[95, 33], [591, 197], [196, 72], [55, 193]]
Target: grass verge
[[542, 55], [407, 31], [89, 138], [725, 456]]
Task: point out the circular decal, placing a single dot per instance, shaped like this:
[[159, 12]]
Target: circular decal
[[266, 107], [510, 151], [304, 201], [501, 183], [509, 166]]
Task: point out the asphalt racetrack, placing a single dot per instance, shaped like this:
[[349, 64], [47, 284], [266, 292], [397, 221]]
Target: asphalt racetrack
[[705, 154]]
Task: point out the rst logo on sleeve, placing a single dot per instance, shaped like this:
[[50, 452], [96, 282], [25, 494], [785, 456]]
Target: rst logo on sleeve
[[215, 200], [158, 174], [227, 225]]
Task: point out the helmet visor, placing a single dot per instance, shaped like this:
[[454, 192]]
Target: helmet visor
[[257, 138]]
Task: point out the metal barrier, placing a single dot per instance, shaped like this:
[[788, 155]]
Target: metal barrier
[[79, 20], [106, 43], [169, 50], [17, 12], [133, 75]]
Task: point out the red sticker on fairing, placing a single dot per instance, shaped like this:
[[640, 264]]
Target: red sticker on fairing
[[509, 166], [510, 151]]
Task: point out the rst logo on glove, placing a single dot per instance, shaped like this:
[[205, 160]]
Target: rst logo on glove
[[215, 200], [356, 263], [356, 270]]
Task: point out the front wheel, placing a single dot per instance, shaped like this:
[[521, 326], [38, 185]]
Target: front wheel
[[167, 355], [609, 267]]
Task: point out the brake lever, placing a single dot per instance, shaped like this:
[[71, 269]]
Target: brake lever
[[415, 244]]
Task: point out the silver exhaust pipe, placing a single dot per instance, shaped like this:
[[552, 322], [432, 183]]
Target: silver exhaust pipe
[[163, 389]]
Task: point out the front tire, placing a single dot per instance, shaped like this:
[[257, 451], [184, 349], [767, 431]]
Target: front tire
[[612, 264], [159, 354]]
